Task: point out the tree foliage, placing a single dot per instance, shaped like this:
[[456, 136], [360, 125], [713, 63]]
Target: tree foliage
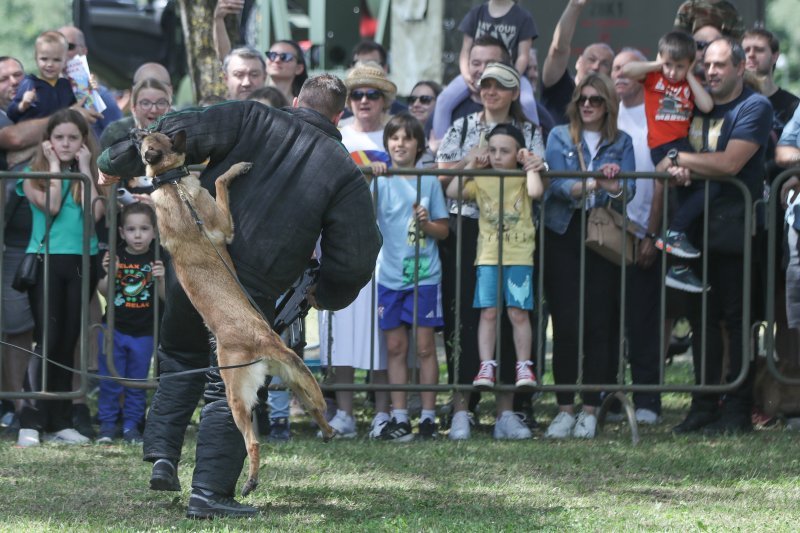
[[783, 19], [23, 20]]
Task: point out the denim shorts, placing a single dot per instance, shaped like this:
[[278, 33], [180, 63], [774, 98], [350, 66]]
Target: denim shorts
[[396, 308], [517, 287]]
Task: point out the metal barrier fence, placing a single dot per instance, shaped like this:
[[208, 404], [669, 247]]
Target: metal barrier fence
[[704, 386], [708, 384], [772, 257], [45, 266]]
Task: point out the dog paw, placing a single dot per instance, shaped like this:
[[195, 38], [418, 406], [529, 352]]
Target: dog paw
[[249, 486], [241, 168]]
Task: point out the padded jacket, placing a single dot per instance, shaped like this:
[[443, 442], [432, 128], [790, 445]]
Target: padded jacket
[[303, 183]]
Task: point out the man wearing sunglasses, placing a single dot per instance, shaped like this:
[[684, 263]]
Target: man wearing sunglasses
[[76, 46]]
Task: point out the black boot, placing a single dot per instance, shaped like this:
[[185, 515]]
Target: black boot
[[735, 418], [165, 476], [205, 504], [696, 420]]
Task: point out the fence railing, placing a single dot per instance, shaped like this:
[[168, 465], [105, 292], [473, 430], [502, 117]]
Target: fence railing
[[710, 384], [83, 342]]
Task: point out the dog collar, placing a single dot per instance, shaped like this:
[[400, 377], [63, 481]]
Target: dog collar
[[171, 176]]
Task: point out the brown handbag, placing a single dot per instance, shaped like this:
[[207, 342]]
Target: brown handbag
[[604, 234]]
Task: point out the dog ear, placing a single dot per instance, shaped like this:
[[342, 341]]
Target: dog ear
[[179, 142]]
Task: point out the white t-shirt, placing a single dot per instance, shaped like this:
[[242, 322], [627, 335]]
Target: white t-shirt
[[592, 140], [633, 122]]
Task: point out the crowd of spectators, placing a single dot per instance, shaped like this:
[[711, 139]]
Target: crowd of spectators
[[707, 105]]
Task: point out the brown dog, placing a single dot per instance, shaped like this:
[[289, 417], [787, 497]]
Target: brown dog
[[241, 333]]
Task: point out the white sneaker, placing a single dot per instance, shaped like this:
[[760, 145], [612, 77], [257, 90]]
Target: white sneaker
[[647, 417], [561, 426], [377, 425], [585, 426], [511, 426], [460, 426], [344, 426], [66, 436], [27, 438]]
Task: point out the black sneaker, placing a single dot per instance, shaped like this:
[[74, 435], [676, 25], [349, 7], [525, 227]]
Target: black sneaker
[[202, 506], [428, 430], [729, 423], [695, 421], [396, 431], [683, 279], [165, 476], [82, 420], [279, 430]]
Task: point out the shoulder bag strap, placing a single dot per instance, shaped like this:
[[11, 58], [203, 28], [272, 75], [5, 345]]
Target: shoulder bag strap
[[49, 223]]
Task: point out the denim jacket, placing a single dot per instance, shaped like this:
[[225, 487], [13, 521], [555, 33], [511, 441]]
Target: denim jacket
[[561, 154]]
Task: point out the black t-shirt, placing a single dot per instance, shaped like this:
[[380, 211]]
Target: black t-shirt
[[515, 26], [784, 104], [134, 293], [747, 118], [556, 97]]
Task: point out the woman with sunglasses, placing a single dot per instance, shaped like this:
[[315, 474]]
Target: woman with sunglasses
[[466, 139], [286, 68], [421, 102], [591, 140], [369, 95], [422, 99]]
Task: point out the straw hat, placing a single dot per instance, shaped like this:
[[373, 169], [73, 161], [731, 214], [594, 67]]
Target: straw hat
[[370, 74]]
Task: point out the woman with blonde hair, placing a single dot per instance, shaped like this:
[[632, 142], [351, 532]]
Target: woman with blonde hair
[[590, 141]]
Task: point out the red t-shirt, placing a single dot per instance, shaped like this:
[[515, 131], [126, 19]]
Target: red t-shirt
[[668, 107]]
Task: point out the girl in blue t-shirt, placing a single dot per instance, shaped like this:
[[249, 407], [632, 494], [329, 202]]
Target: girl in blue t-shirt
[[68, 146], [412, 216]]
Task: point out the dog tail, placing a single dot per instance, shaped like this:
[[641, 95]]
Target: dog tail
[[296, 375]]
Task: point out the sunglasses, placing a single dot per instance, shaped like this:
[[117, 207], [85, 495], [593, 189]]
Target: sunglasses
[[424, 99], [283, 56], [370, 94], [701, 45], [594, 101]]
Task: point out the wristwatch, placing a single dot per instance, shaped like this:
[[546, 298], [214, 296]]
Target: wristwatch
[[651, 236], [673, 156]]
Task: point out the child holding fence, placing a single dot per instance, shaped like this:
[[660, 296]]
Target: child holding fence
[[506, 152], [407, 217], [133, 301]]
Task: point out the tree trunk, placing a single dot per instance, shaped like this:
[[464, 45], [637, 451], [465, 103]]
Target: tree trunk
[[205, 70]]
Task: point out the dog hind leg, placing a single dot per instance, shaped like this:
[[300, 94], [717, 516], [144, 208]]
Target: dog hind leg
[[241, 387]]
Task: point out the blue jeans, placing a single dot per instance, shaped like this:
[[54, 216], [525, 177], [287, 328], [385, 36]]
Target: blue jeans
[[131, 360], [278, 401]]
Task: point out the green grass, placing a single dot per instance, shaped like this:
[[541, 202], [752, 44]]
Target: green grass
[[749, 483]]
